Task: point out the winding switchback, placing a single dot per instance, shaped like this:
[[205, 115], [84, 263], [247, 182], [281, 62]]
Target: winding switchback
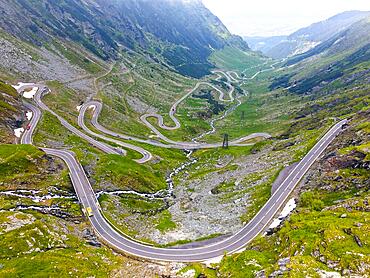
[[97, 107], [121, 242], [107, 233]]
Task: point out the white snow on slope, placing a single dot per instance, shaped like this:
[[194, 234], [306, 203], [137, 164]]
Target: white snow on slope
[[20, 84], [29, 115], [31, 93], [289, 207], [18, 132]]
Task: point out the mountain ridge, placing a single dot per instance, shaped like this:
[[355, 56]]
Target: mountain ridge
[[181, 33], [308, 37]]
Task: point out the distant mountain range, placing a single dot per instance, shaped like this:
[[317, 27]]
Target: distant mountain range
[[181, 34], [346, 53], [306, 38]]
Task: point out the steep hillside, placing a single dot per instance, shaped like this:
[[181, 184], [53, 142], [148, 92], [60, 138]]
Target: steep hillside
[[180, 33], [326, 234], [132, 56], [306, 38], [349, 40], [11, 113], [264, 44], [345, 54]]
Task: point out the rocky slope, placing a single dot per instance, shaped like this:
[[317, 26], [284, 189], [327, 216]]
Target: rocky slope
[[306, 38], [346, 54], [180, 33], [11, 113], [326, 235]]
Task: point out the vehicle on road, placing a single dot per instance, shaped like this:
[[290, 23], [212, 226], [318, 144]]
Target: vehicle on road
[[89, 211], [28, 127]]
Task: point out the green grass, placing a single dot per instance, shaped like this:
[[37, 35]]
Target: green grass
[[64, 101], [40, 248], [77, 59], [308, 230], [141, 205], [122, 172], [199, 270], [22, 166], [165, 222], [259, 113], [246, 264], [7, 89], [125, 173], [232, 58], [330, 220], [146, 83]]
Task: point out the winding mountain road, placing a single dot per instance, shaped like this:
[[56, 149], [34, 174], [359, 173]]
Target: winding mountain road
[[97, 107], [173, 109], [37, 98], [107, 233], [232, 244]]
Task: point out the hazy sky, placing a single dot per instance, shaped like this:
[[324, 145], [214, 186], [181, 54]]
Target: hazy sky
[[276, 17]]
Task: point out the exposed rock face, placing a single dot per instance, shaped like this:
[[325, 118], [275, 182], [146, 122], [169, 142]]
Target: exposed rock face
[[44, 64]]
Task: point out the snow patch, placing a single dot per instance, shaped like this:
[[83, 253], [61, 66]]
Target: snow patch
[[306, 46], [18, 132], [29, 115], [79, 108], [30, 94], [20, 84], [92, 107], [338, 40], [289, 207], [216, 260], [189, 274], [329, 274]]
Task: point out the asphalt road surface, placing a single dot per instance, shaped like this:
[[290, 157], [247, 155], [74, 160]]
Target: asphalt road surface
[[123, 243], [97, 106], [232, 244]]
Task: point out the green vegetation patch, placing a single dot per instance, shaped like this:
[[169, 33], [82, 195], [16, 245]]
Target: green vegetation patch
[[125, 173], [43, 246], [165, 222], [23, 167], [232, 58], [77, 59], [8, 89]]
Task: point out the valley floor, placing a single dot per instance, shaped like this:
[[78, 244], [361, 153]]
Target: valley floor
[[214, 196]]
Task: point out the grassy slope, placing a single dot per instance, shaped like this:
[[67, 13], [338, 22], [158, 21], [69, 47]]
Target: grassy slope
[[120, 172], [331, 219], [24, 234], [15, 159], [231, 58], [48, 247], [318, 224], [27, 168], [324, 228], [9, 106]]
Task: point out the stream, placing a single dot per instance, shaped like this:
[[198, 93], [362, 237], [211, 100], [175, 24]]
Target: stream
[[36, 195], [168, 192]]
